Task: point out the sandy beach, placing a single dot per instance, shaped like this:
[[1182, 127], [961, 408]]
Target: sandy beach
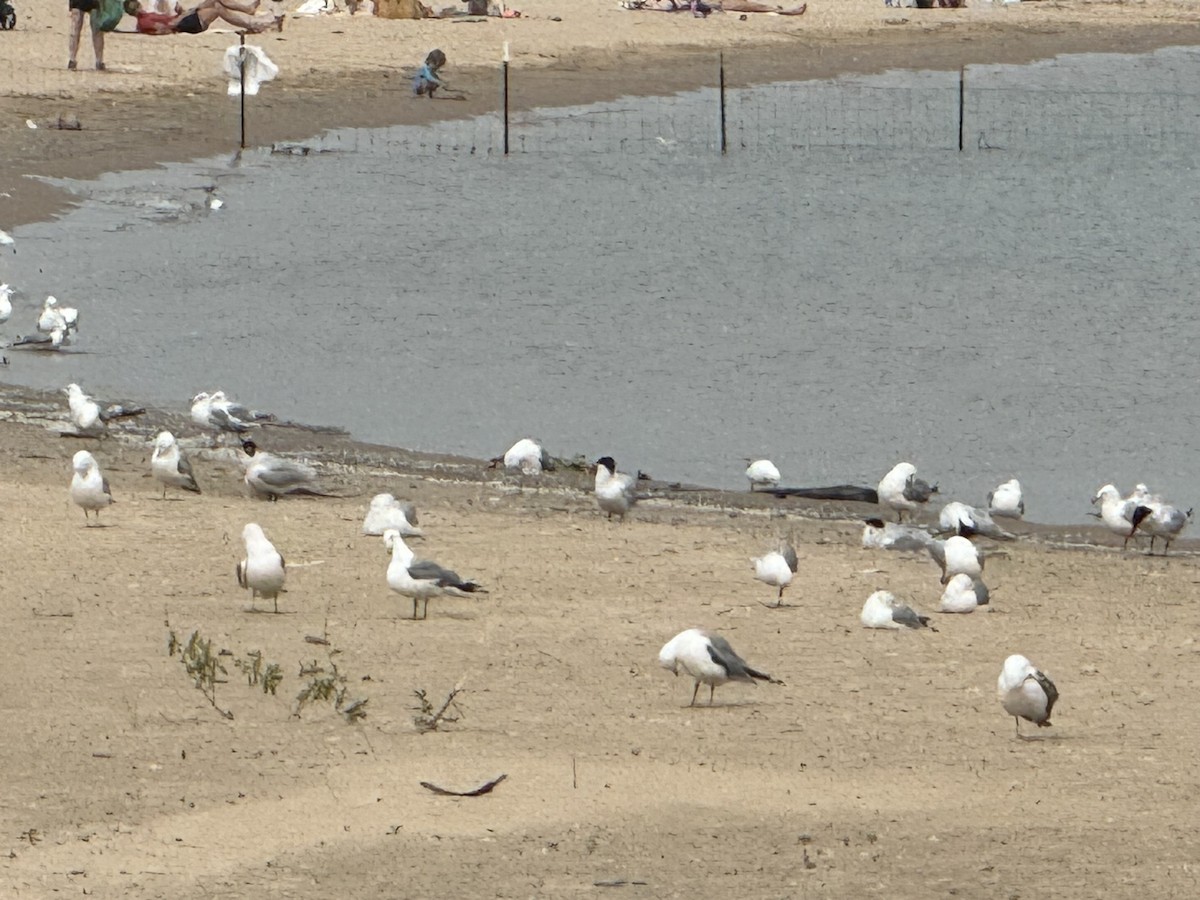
[[883, 765]]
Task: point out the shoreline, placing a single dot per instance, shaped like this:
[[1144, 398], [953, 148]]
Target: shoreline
[[341, 454], [177, 124]]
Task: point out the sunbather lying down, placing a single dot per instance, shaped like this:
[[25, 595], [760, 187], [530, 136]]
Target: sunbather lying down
[[701, 8], [239, 13]]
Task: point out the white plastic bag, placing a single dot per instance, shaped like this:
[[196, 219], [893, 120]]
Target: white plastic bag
[[259, 69]]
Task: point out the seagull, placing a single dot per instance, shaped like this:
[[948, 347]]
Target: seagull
[[883, 610], [85, 412], [218, 413], [880, 535], [387, 512], [968, 520], [54, 317], [1006, 501], [614, 490], [170, 466], [964, 594], [273, 476], [901, 489], [89, 489], [6, 293], [6, 240], [955, 556], [708, 659], [1158, 519], [1116, 512], [55, 340], [762, 473], [1026, 692], [420, 579], [527, 455], [263, 570], [776, 568]]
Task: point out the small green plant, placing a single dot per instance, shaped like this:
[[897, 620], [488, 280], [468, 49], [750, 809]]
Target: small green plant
[[429, 719], [202, 665], [268, 676], [328, 684]]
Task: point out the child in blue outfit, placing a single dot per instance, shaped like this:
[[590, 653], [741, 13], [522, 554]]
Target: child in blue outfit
[[426, 81]]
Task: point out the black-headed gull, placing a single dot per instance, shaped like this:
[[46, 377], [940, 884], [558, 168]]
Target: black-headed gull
[[708, 659], [901, 490], [527, 456], [263, 571], [776, 568], [955, 556], [966, 521], [386, 512], [762, 473], [89, 488], [964, 594], [1159, 520], [1007, 501], [169, 465], [1026, 692], [421, 579], [272, 477], [884, 610], [614, 490]]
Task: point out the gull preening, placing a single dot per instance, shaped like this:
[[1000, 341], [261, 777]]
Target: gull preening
[[217, 413], [1006, 500], [762, 473], [526, 455], [614, 490], [966, 521], [957, 556], [271, 477], [901, 490], [386, 512], [89, 488], [1157, 519], [884, 610], [776, 568], [263, 571], [708, 659], [55, 326], [880, 535], [169, 465], [88, 417], [421, 579], [1116, 512], [1026, 692], [964, 594]]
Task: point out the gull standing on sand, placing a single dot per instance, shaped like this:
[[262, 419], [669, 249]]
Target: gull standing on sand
[[776, 568], [85, 412], [966, 521], [614, 490], [956, 556], [884, 610], [964, 594], [708, 659], [271, 477], [1116, 512], [901, 489], [89, 488], [762, 473], [1026, 692], [387, 512], [421, 579], [169, 465], [1158, 519], [528, 456], [1007, 501], [263, 570]]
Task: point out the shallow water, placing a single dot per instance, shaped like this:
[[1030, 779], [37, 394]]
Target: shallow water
[[841, 291]]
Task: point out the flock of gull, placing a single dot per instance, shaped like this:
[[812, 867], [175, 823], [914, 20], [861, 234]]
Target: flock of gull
[[1025, 692]]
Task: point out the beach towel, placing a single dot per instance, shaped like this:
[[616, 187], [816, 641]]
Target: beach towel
[[259, 69]]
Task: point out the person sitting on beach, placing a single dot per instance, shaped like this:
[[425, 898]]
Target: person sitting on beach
[[426, 81], [197, 19]]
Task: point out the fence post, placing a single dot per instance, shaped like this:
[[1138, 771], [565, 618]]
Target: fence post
[[962, 101], [721, 80], [504, 66]]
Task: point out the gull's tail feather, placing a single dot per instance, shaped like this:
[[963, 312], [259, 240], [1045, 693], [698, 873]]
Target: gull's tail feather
[[117, 411], [762, 676]]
